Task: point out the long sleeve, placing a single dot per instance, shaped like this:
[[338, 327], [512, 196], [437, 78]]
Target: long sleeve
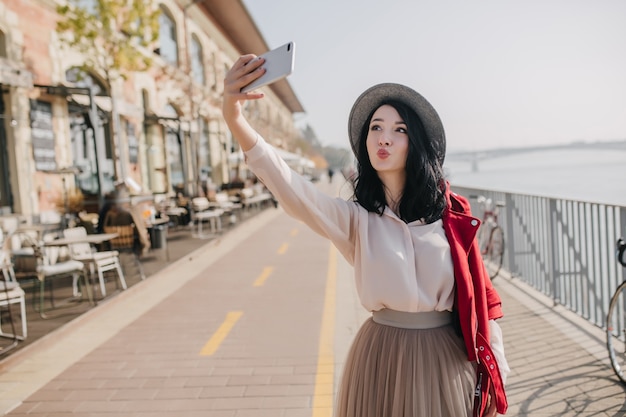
[[497, 346], [327, 216]]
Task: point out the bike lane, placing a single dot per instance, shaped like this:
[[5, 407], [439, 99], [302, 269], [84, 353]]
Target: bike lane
[[251, 332]]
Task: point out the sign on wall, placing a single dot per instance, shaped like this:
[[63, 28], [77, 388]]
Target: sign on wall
[[42, 135]]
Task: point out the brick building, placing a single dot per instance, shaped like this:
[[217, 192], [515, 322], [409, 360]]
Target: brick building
[[55, 120]]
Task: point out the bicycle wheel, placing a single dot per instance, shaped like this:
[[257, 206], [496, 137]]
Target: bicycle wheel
[[483, 238], [494, 254], [616, 332]]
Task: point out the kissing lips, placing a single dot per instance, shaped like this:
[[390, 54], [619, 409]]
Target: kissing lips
[[382, 154]]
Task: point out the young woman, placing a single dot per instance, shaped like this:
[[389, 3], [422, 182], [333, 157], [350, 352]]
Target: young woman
[[432, 347]]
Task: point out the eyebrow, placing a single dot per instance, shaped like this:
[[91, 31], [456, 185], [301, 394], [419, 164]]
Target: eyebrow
[[378, 119]]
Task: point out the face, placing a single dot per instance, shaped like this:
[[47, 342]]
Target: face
[[387, 141]]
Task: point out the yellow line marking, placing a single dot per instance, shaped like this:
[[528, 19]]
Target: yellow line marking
[[283, 249], [293, 232], [218, 337], [323, 394], [267, 271]]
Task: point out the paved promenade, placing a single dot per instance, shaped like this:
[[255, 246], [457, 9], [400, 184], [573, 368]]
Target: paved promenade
[[257, 323]]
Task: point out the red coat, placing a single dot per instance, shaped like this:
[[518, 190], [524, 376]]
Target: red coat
[[476, 301]]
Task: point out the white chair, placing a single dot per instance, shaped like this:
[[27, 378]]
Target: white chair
[[200, 204], [11, 293], [98, 262], [222, 201], [201, 212], [46, 266]]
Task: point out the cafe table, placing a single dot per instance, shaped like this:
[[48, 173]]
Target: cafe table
[[92, 239]]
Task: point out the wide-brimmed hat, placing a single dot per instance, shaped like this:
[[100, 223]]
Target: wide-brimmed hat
[[374, 96]]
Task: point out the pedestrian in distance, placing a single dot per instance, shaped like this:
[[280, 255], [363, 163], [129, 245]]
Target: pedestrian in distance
[[432, 347]]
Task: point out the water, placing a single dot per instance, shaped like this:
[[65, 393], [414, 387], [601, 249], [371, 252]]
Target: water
[[595, 175]]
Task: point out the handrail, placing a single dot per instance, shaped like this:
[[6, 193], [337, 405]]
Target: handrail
[[563, 248]]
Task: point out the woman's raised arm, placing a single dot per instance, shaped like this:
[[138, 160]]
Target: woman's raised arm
[[242, 73]]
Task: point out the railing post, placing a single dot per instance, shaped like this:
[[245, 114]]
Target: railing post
[[552, 251], [509, 241], [621, 272]]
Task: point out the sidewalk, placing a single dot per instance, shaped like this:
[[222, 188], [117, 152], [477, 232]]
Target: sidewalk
[[91, 366], [559, 361]]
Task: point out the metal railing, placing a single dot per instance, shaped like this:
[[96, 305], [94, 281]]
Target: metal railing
[[563, 248]]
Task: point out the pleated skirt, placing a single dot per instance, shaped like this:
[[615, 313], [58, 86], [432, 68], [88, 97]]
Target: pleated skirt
[[405, 372]]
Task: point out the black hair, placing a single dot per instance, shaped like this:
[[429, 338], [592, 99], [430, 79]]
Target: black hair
[[423, 196]]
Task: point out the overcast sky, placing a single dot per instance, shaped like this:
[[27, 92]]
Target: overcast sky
[[500, 73]]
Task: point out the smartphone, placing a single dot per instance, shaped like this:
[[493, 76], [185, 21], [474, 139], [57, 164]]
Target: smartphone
[[279, 63]]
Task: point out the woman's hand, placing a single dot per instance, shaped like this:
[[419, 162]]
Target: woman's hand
[[491, 406], [243, 72]]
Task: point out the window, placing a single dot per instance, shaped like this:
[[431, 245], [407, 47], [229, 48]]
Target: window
[[197, 63], [82, 133], [88, 5], [174, 152], [204, 152], [42, 135], [80, 78], [3, 45], [168, 45]]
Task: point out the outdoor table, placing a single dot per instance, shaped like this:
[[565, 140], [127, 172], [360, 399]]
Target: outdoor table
[[93, 239]]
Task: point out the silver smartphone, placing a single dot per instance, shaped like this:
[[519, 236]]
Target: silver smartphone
[[279, 63]]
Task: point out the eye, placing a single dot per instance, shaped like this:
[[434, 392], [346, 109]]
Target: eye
[[375, 127], [401, 130]]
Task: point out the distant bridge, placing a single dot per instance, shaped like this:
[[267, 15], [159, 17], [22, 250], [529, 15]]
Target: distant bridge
[[474, 157]]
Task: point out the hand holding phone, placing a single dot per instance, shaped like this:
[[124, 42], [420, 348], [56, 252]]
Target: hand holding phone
[[279, 63]]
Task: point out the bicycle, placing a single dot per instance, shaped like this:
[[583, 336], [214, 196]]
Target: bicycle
[[616, 321], [491, 235]]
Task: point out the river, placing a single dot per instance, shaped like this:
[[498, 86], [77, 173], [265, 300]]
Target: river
[[595, 175]]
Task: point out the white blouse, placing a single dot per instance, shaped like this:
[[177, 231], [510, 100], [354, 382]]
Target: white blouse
[[404, 267]]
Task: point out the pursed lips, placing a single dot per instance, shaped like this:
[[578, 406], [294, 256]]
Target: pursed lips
[[382, 153]]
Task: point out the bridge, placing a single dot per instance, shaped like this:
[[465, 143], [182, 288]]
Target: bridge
[[474, 157]]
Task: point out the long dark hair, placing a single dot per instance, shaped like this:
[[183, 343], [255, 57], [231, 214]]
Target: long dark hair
[[423, 196]]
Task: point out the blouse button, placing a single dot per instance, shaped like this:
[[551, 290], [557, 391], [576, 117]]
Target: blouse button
[[474, 222], [491, 366], [488, 357]]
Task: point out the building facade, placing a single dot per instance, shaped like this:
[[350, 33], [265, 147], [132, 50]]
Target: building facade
[[56, 121]]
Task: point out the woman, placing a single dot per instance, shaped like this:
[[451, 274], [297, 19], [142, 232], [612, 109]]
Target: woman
[[432, 341]]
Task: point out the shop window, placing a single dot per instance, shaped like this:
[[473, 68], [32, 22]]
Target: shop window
[[83, 138]]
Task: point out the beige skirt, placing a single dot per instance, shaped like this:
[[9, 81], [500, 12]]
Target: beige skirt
[[406, 372]]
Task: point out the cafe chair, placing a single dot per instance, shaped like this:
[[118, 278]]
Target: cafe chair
[[126, 241], [202, 213], [46, 264], [97, 261], [230, 207], [11, 293]]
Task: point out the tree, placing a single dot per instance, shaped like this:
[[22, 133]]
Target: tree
[[115, 37]]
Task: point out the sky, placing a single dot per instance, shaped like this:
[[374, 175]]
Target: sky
[[500, 73]]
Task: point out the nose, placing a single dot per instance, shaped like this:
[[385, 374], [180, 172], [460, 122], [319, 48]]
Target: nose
[[384, 140]]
